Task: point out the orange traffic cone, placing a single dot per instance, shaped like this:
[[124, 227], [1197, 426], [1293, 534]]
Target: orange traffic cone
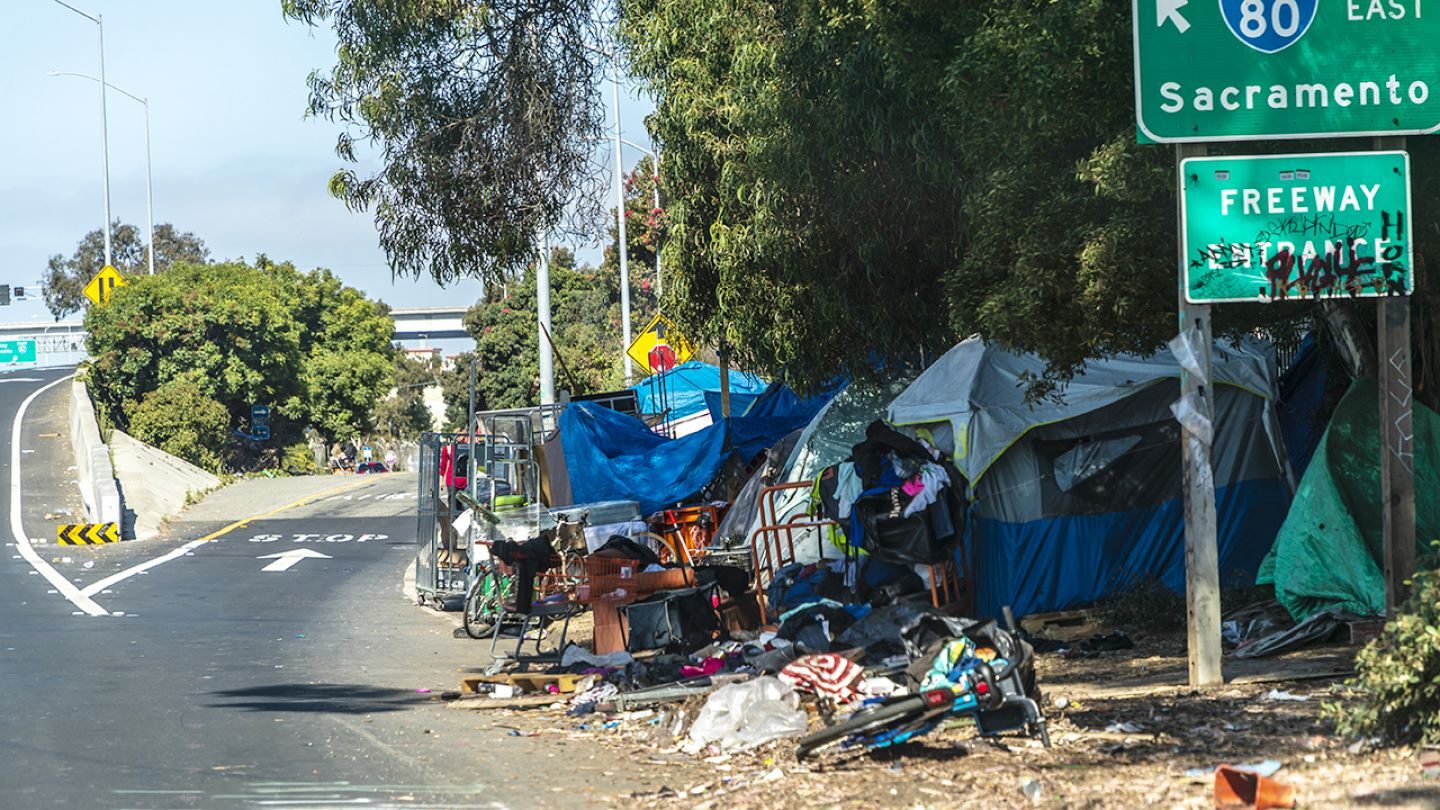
[[1243, 790]]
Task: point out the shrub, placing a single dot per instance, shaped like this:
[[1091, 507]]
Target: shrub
[[298, 459], [180, 419], [1395, 694]]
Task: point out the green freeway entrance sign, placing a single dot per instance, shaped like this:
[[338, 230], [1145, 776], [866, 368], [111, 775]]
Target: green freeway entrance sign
[[1296, 226], [1228, 70], [17, 353]]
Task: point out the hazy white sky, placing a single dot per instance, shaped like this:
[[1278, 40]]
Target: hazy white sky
[[234, 160]]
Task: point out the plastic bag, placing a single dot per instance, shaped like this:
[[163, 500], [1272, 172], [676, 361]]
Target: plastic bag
[[744, 715], [1186, 347], [1190, 413]]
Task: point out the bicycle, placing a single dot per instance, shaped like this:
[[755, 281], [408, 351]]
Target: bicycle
[[994, 684], [490, 590]]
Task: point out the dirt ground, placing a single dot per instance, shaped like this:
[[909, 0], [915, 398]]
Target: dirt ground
[[1093, 763]]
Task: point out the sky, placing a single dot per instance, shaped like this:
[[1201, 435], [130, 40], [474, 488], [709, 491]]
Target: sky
[[234, 159]]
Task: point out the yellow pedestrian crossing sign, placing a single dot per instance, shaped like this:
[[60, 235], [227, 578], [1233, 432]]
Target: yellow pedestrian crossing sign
[[103, 285], [659, 347]]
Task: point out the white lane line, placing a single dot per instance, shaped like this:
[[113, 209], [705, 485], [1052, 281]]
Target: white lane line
[[66, 588], [96, 587]]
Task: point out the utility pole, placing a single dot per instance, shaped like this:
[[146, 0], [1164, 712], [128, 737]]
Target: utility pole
[[1397, 430], [1202, 556]]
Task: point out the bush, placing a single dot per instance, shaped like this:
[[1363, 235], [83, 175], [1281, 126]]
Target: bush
[[1396, 690], [180, 419], [298, 459]]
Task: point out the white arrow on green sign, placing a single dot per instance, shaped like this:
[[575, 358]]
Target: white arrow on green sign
[[1275, 227], [1228, 70]]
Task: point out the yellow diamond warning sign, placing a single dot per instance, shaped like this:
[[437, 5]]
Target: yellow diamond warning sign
[[659, 347], [103, 285]]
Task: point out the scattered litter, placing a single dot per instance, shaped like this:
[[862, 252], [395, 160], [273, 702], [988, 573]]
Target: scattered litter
[[88, 564], [773, 776], [515, 732], [1062, 702], [1430, 763], [1124, 728], [1266, 768], [744, 715], [422, 690], [1032, 790], [1276, 694]]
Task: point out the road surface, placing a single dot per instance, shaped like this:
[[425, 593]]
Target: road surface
[[274, 664]]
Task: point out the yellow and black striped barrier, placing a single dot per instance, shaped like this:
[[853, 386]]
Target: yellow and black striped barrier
[[87, 534]]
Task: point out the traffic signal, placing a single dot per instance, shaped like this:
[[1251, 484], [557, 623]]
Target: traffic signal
[[19, 293], [4, 295]]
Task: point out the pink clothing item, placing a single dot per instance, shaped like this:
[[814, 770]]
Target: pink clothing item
[[913, 487], [709, 667]]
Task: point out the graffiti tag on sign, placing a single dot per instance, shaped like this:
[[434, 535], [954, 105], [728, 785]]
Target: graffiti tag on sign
[[1290, 227]]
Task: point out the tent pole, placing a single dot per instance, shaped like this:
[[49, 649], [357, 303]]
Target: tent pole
[[1202, 557]]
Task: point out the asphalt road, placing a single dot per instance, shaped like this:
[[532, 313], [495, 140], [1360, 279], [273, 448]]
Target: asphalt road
[[210, 681]]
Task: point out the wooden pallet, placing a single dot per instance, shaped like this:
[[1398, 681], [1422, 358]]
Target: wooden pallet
[[524, 681]]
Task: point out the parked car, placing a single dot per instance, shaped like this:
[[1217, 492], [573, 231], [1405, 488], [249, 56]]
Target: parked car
[[371, 467]]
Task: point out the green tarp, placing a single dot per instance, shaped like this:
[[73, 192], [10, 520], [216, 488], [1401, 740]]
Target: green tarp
[[1330, 550]]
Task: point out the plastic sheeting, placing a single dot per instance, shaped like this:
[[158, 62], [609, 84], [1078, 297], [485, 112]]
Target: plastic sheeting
[[1330, 551], [685, 388], [614, 457], [979, 390]]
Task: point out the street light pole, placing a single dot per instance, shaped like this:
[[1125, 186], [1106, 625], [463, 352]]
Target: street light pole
[[623, 246], [104, 118], [542, 305], [149, 174], [655, 187]]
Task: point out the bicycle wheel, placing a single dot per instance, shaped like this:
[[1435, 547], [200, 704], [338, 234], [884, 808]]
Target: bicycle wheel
[[483, 605], [874, 718]]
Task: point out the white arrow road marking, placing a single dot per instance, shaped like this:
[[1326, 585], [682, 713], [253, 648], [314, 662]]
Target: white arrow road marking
[[1170, 10], [286, 560]]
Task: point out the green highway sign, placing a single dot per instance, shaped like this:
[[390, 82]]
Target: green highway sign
[[1234, 70], [1275, 227], [17, 353]]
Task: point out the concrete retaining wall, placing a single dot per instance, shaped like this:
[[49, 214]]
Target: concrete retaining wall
[[156, 484], [95, 475]]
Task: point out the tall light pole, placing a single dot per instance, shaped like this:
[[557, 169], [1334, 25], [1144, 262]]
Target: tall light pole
[[655, 187], [623, 246], [104, 118], [542, 306], [149, 175]]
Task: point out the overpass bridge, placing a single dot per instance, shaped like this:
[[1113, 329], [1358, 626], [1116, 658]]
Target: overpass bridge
[[412, 323]]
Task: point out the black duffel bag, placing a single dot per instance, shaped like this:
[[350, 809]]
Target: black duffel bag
[[682, 620]]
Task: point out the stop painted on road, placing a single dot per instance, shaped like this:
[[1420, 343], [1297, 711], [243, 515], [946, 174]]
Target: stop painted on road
[[317, 538]]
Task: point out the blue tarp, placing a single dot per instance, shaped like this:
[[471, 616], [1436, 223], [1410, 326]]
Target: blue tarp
[[685, 388], [1302, 398], [614, 457], [1039, 564]]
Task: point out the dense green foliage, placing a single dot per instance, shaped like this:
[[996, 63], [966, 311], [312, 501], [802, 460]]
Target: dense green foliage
[[65, 279], [1395, 694], [847, 177], [317, 352], [403, 414], [484, 114], [181, 419]]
